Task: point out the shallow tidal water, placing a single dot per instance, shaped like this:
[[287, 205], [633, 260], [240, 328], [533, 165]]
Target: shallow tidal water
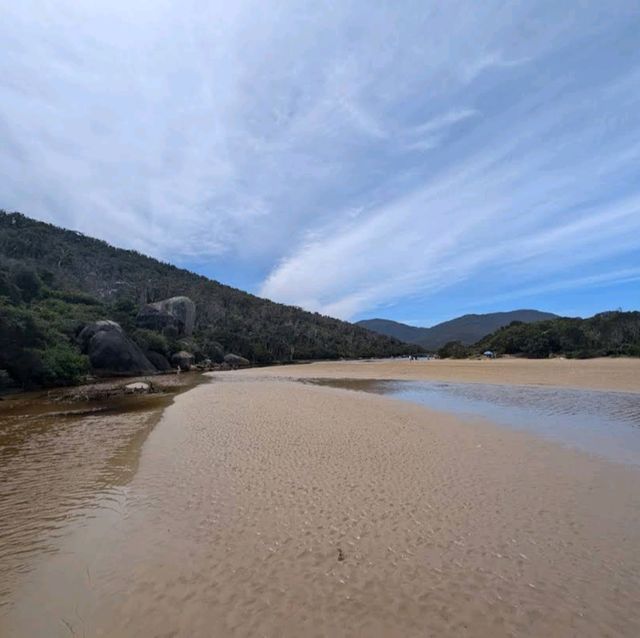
[[260, 507], [61, 462], [604, 423]]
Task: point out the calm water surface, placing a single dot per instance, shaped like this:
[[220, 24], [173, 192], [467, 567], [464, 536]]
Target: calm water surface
[[62, 461], [601, 422]]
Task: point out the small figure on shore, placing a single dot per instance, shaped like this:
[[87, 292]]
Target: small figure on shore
[[178, 369]]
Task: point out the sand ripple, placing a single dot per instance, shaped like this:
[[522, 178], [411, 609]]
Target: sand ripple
[[279, 509]]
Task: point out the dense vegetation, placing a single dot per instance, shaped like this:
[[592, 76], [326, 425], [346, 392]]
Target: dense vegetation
[[52, 281], [605, 334], [37, 329], [467, 329]]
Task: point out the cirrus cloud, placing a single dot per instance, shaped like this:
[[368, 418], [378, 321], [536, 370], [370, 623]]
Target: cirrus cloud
[[342, 156]]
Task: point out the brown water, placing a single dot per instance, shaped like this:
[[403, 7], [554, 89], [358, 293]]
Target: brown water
[[58, 460]]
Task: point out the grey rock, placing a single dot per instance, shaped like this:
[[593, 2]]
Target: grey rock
[[214, 351], [138, 387], [151, 317], [104, 325], [236, 361], [159, 361], [111, 351], [189, 345], [183, 359], [176, 313]]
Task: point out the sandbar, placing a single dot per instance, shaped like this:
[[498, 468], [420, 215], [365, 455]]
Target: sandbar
[[268, 507]]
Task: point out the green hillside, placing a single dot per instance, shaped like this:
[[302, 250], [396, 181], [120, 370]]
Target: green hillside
[[605, 334], [53, 281]]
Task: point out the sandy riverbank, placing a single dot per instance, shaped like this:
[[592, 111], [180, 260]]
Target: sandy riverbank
[[273, 508], [597, 374]]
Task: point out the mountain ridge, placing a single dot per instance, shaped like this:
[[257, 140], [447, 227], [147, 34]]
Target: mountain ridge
[[467, 329]]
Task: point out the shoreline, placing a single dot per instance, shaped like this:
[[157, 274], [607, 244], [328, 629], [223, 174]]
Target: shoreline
[[58, 453], [264, 506], [615, 374], [570, 373]]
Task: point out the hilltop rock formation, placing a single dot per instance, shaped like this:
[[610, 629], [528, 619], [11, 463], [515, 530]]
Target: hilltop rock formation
[[111, 351], [176, 313]]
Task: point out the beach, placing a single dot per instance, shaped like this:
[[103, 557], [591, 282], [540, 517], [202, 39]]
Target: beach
[[263, 506], [620, 374]]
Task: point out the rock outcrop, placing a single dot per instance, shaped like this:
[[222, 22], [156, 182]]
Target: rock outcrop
[[214, 351], [139, 387], [175, 314], [91, 329], [152, 318], [191, 346], [111, 351], [183, 359], [236, 361], [160, 362]]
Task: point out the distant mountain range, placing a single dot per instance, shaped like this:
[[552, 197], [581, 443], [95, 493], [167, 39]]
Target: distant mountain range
[[468, 329]]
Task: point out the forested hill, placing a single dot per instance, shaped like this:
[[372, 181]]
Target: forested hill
[[613, 333], [77, 278], [395, 329], [466, 329]]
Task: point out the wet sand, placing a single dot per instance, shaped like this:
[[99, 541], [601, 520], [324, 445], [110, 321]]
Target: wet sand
[[273, 508], [621, 374], [58, 454]]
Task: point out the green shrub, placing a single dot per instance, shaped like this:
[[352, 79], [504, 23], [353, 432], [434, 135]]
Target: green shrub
[[8, 289], [62, 364], [150, 340], [72, 297], [124, 312], [454, 350], [212, 349], [28, 282]]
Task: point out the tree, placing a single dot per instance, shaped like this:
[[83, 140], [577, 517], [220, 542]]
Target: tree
[[454, 350], [28, 282]]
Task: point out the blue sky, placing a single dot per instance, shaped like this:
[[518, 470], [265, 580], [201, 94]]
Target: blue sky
[[410, 160]]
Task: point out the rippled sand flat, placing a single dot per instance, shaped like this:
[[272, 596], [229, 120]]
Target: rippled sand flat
[[267, 507], [622, 374]]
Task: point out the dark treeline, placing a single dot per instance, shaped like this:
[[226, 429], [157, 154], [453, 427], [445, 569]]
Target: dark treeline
[[53, 281], [606, 334]]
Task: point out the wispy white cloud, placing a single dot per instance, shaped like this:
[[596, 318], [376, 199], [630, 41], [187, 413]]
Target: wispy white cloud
[[430, 134], [348, 155], [623, 276], [491, 60]]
